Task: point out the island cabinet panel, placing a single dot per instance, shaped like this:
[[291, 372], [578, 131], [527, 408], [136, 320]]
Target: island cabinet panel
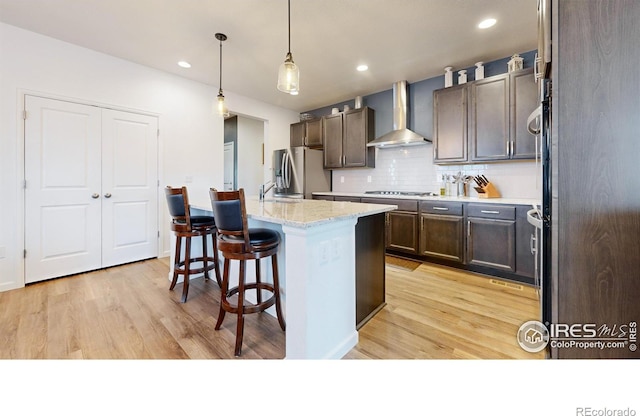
[[491, 236], [489, 119], [345, 137], [442, 230], [370, 267], [450, 124]]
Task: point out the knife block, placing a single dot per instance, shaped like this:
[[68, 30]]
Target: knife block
[[490, 191]]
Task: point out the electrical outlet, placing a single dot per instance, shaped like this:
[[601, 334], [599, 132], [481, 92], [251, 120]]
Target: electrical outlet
[[336, 249], [369, 178], [324, 252], [188, 179], [341, 179]]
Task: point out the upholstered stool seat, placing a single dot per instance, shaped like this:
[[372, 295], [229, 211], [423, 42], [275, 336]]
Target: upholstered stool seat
[[237, 241], [185, 226]]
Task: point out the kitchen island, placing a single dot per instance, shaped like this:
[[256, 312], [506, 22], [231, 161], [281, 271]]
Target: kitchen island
[[317, 265]]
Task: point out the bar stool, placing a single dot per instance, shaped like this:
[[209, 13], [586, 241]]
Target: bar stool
[[184, 225], [239, 242]]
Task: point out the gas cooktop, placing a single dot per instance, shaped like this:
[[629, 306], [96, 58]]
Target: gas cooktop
[[402, 193]]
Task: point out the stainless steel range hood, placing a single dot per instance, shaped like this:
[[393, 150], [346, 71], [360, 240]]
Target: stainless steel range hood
[[401, 135]]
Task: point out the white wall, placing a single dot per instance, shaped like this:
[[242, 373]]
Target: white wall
[[250, 166], [412, 169], [191, 138]]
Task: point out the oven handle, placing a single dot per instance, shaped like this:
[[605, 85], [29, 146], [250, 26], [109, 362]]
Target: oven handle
[[534, 116]]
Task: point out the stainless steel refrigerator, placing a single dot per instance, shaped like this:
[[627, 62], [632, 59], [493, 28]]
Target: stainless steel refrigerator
[[298, 172]]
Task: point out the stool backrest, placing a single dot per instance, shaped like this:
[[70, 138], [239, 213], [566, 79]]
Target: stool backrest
[[230, 213], [178, 204]]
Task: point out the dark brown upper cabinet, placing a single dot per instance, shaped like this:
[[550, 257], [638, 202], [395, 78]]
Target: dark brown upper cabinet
[[485, 120], [307, 133], [489, 118], [345, 137], [450, 124]]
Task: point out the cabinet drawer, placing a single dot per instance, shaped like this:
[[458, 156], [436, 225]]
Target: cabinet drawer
[[441, 208], [403, 204], [499, 212], [323, 197], [346, 198]]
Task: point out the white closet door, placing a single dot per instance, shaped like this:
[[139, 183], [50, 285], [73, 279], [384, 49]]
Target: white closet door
[[129, 187], [62, 195]]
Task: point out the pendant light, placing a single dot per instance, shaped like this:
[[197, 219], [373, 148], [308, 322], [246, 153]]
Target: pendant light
[[222, 107], [289, 74]]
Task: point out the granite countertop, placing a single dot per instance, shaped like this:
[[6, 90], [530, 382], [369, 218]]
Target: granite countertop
[[513, 201], [302, 213]]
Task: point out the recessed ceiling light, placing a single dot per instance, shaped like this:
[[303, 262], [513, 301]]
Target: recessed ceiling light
[[362, 67], [485, 24], [184, 64]]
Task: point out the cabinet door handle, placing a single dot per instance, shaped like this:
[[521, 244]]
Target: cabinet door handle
[[440, 209], [532, 244], [468, 228], [489, 212]]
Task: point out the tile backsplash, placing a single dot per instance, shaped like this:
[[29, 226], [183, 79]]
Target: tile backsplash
[[412, 169]]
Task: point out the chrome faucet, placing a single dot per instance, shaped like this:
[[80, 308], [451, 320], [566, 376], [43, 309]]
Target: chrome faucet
[[264, 191]]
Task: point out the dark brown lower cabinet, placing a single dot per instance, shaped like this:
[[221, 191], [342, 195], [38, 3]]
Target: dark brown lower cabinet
[[491, 243], [442, 236], [402, 231]]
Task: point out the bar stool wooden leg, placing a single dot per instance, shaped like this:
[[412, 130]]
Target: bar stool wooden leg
[[187, 266], [176, 263], [258, 289], [216, 259], [205, 254], [240, 309], [276, 286], [223, 293]]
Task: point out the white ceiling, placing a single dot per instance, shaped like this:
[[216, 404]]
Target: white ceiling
[[399, 39]]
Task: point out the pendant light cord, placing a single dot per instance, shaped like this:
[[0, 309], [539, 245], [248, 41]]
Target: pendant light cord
[[220, 67], [289, 22]]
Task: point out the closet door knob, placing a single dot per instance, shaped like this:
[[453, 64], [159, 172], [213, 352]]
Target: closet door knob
[[95, 196], [107, 195]]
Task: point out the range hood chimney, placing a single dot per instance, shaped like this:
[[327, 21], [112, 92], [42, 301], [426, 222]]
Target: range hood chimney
[[401, 135]]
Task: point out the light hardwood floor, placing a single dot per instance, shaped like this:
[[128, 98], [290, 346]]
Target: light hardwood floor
[[127, 312]]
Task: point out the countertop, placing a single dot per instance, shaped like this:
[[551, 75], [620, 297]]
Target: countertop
[[512, 201], [302, 213]]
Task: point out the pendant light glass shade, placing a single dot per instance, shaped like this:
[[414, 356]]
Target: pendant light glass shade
[[221, 107], [289, 73], [288, 76]]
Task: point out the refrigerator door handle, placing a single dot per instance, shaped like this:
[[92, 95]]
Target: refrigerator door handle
[[285, 169], [535, 116]]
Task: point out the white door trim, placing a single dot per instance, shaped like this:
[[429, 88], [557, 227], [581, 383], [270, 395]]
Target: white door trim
[[20, 163]]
